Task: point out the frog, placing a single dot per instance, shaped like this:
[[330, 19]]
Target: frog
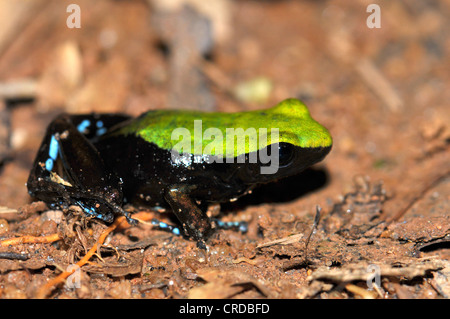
[[177, 160]]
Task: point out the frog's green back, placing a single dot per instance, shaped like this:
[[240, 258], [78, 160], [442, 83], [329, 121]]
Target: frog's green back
[[167, 128]]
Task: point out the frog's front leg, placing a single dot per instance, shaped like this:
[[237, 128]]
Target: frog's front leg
[[196, 224], [68, 169]]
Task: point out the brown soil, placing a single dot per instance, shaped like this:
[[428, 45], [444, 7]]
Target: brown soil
[[384, 189]]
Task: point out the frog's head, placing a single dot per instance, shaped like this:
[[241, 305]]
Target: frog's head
[[295, 141]]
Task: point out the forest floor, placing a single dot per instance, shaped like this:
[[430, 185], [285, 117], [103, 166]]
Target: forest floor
[[384, 189]]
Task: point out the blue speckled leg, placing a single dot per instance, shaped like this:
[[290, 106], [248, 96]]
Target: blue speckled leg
[[237, 226], [69, 171], [166, 227]]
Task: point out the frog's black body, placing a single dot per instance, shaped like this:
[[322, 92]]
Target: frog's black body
[[99, 171], [154, 175]]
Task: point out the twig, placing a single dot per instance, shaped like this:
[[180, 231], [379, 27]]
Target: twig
[[291, 239], [30, 240], [19, 89], [45, 290], [13, 256], [313, 229], [359, 291], [7, 210]]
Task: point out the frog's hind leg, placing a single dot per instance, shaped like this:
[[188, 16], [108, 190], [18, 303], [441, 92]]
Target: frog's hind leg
[[93, 125], [68, 169]]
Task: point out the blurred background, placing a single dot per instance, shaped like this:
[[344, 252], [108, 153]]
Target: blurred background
[[383, 92]]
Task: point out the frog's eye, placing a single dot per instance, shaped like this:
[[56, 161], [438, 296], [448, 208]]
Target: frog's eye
[[285, 154]]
